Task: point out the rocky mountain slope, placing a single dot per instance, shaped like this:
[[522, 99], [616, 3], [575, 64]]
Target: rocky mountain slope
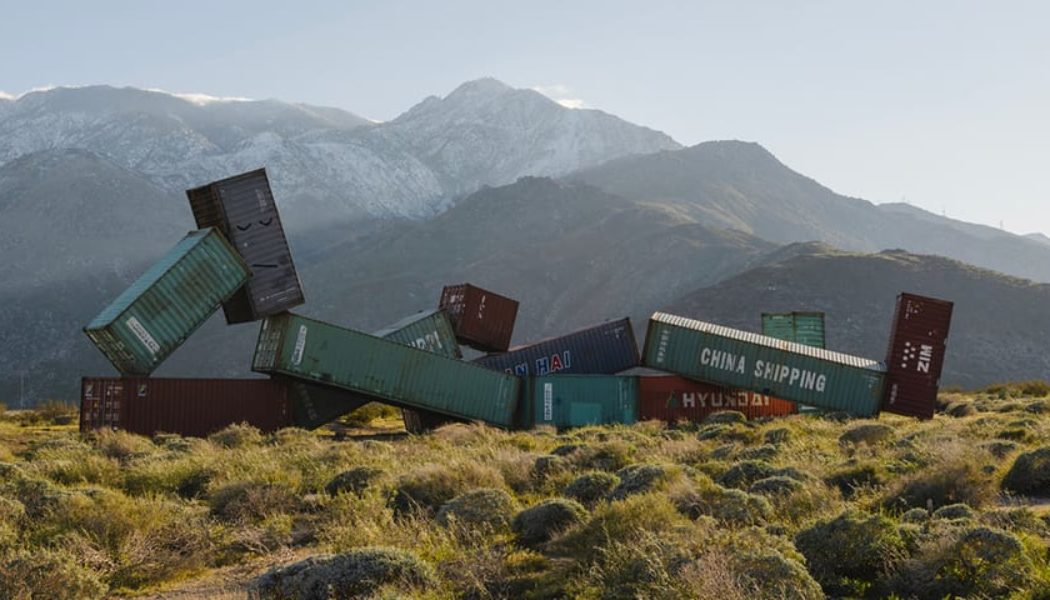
[[999, 327], [743, 186]]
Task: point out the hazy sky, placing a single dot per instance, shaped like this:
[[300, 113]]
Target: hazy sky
[[941, 103]]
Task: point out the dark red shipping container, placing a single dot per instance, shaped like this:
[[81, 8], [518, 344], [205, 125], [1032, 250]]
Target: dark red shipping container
[[671, 398], [188, 407], [915, 357], [481, 319]]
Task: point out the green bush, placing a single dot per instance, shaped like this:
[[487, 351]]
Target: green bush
[[1000, 449], [640, 479], [773, 575], [539, 523], [728, 506], [1030, 473], [356, 574], [248, 501], [372, 411], [429, 487], [958, 480], [744, 473], [775, 486], [856, 477], [916, 516], [764, 452], [488, 509], [867, 433], [51, 574], [777, 435], [590, 488], [354, 481], [954, 511], [545, 466], [619, 521], [725, 417], [605, 456], [851, 552], [238, 435], [961, 409]]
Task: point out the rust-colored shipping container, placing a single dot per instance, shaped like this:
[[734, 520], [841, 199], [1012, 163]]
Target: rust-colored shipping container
[[188, 407], [671, 398], [481, 319], [915, 356]]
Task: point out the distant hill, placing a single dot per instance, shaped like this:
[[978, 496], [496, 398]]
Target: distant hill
[[743, 186], [999, 327]]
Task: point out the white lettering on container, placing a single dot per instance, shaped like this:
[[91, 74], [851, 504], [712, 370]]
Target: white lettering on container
[[548, 402], [300, 346], [144, 336]]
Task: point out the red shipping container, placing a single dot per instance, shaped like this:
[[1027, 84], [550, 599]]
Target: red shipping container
[[915, 357], [671, 398], [481, 319], [188, 407]]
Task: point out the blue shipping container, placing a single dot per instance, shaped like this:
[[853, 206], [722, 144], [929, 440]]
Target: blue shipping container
[[603, 349]]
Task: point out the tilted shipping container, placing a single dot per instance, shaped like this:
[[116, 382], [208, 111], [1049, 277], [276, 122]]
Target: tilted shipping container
[[314, 405], [599, 350], [243, 208], [739, 359], [578, 400], [168, 302], [188, 407], [403, 376], [915, 357], [806, 328], [482, 319], [670, 398]]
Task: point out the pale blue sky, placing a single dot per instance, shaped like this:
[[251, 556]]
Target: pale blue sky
[[944, 103]]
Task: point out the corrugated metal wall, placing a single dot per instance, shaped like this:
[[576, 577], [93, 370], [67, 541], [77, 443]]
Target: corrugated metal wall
[[603, 349]]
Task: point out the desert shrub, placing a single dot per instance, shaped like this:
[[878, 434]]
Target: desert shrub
[[238, 435], [590, 488], [957, 480], [567, 449], [777, 435], [247, 501], [174, 442], [123, 446], [775, 486], [372, 411], [856, 477], [1000, 449], [45, 573], [729, 506], [837, 416], [545, 466], [961, 409], [1039, 407], [744, 473], [605, 456], [773, 575], [187, 477], [734, 432], [1015, 434], [489, 509], [538, 524], [867, 433], [430, 486], [954, 511], [1021, 519], [640, 479], [71, 462], [725, 417], [1030, 473], [355, 574], [55, 412], [625, 520], [850, 552], [764, 452], [355, 480], [978, 562], [916, 516], [12, 515]]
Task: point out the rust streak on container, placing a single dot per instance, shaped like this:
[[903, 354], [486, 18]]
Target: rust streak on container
[[482, 319]]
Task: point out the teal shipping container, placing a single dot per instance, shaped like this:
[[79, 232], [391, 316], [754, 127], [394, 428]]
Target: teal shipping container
[[389, 372], [716, 354], [578, 400], [314, 405], [806, 328], [168, 302]]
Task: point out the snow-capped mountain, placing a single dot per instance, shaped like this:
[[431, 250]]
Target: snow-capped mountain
[[326, 163]]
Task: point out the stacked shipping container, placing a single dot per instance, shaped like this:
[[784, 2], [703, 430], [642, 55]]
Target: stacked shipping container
[[482, 319], [915, 356]]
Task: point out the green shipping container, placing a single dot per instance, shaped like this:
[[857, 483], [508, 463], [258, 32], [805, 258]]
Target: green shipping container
[[156, 314], [578, 400], [390, 372], [806, 328], [716, 354], [314, 405]]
